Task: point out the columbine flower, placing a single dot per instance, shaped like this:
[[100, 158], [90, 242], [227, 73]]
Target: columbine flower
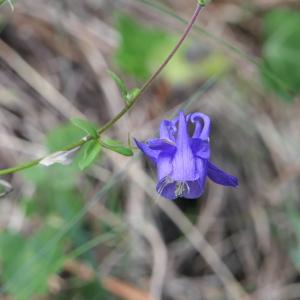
[[183, 160]]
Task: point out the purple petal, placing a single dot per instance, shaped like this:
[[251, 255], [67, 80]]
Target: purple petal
[[164, 166], [152, 154], [195, 189], [197, 130], [219, 176], [200, 148], [167, 130], [162, 145], [202, 133], [166, 190], [184, 162]]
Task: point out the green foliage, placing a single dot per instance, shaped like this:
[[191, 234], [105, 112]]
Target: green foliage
[[89, 290], [63, 135], [294, 219], [281, 65], [10, 2], [142, 49], [203, 2], [127, 95], [116, 146], [28, 263], [138, 43], [59, 138], [91, 151], [86, 126], [183, 71], [132, 94], [57, 176], [120, 83], [16, 251]]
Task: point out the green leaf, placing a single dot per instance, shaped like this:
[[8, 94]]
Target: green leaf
[[61, 136], [203, 2], [132, 94], [7, 1], [143, 48], [120, 83], [57, 176], [280, 67], [116, 146], [127, 95], [20, 256], [91, 152], [86, 126], [138, 43]]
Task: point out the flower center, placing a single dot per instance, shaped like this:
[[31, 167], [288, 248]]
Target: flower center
[[181, 187]]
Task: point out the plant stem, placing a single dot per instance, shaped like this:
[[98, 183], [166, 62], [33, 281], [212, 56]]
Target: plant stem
[[126, 108], [155, 75]]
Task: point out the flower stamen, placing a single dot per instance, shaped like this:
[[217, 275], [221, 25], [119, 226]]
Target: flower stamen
[[166, 181], [181, 187]]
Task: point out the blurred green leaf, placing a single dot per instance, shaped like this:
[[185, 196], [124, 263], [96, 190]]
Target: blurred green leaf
[[17, 253], [61, 136], [56, 176], [10, 2], [90, 290], [116, 146], [203, 2], [86, 126], [143, 49], [91, 151], [29, 206], [127, 95], [132, 94], [280, 67], [137, 45], [120, 83]]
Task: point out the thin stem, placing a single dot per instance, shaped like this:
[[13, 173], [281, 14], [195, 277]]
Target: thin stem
[[155, 75], [126, 108], [180, 42]]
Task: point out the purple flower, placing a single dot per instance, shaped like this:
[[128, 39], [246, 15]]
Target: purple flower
[[183, 160]]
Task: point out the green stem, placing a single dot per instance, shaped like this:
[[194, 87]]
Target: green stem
[[109, 124]]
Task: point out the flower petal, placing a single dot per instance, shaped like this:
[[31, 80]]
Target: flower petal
[[184, 162], [219, 176], [162, 145], [164, 166], [167, 130], [165, 186], [202, 133], [194, 189], [200, 148], [150, 153], [197, 130]]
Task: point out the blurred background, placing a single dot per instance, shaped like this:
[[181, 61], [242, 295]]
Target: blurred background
[[104, 233]]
